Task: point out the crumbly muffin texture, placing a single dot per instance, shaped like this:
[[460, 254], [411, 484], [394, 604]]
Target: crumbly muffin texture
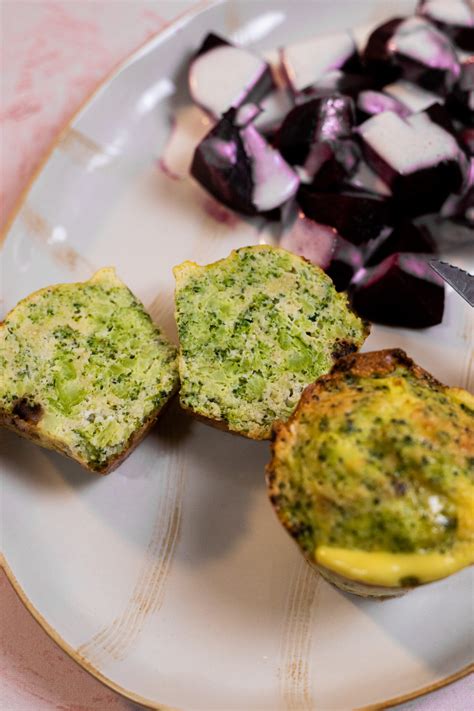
[[83, 369], [379, 456], [254, 330]]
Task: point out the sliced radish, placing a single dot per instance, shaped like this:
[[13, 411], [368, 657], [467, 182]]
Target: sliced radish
[[224, 76], [420, 161], [306, 62]]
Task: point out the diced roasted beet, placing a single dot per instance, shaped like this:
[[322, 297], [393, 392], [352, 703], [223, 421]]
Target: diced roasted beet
[[274, 182], [370, 103], [460, 208], [325, 119], [368, 181], [461, 101], [440, 115], [245, 114], [239, 168], [222, 166], [338, 82], [315, 135], [412, 49], [402, 291], [414, 97], [223, 76], [330, 165], [345, 263], [323, 246], [420, 161], [311, 240], [404, 237], [466, 137], [306, 62], [454, 17], [357, 216], [377, 56], [211, 41], [274, 108]]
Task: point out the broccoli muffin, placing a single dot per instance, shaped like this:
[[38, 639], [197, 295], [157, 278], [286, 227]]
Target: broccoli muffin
[[254, 330], [84, 370], [373, 475]]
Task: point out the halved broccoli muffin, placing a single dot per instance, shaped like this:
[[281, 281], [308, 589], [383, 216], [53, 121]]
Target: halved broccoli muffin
[[254, 330], [84, 370], [373, 475]]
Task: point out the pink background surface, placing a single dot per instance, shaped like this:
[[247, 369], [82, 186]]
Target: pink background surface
[[53, 55]]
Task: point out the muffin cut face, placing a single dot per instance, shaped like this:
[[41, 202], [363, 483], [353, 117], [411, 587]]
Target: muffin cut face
[[374, 474], [84, 370], [254, 330]]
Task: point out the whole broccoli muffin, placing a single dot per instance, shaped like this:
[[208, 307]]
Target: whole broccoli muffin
[[254, 330], [373, 475]]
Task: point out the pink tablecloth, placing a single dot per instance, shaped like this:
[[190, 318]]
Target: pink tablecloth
[[54, 54]]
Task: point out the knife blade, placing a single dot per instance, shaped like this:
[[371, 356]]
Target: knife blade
[[460, 280]]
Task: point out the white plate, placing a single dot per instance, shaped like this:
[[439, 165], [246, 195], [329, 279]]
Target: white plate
[[171, 579]]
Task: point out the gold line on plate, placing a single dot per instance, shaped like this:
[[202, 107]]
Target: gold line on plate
[[80, 147], [295, 678], [115, 639], [38, 227]]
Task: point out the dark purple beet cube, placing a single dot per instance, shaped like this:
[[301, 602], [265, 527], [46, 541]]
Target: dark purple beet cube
[[453, 17], [357, 216], [466, 137], [420, 161], [404, 237], [414, 49], [324, 119], [331, 164], [222, 166], [402, 291], [223, 76], [240, 169], [377, 57], [323, 246], [461, 101]]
